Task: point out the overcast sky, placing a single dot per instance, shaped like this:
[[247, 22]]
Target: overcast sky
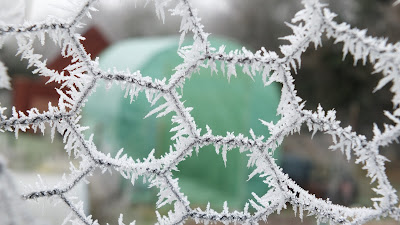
[[37, 10]]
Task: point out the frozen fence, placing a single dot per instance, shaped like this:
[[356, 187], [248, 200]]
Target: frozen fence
[[79, 81]]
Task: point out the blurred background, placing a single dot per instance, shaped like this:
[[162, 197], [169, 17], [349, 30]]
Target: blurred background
[[126, 35]]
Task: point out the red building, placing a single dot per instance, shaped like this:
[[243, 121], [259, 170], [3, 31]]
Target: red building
[[31, 91]]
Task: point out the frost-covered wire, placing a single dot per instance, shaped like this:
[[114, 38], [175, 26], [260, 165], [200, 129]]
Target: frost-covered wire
[[78, 80]]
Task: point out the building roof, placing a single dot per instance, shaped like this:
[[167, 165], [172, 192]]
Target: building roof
[[135, 52]]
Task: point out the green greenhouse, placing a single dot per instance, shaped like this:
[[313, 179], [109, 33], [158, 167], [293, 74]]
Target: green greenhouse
[[234, 106]]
